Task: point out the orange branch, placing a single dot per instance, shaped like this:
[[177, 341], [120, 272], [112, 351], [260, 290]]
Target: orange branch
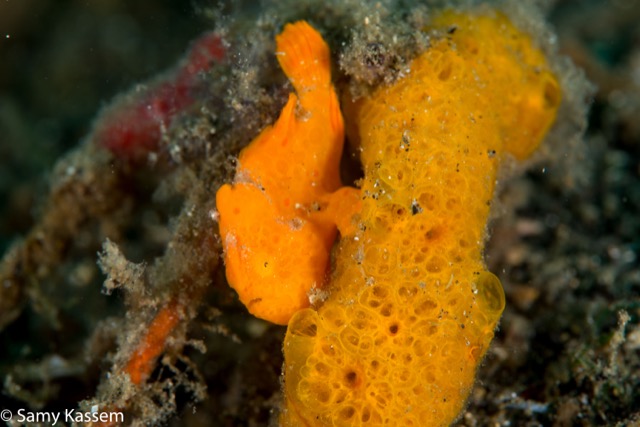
[[143, 359]]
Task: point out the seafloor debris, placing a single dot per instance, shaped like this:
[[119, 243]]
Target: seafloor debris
[[565, 246]]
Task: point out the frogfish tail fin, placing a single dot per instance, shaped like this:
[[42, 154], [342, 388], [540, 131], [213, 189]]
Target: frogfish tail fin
[[303, 56]]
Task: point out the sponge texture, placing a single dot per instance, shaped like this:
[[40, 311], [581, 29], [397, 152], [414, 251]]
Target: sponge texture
[[412, 309]]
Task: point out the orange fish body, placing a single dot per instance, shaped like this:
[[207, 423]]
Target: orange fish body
[[278, 218]]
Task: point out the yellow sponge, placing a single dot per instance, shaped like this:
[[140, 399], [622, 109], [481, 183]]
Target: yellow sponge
[[412, 309]]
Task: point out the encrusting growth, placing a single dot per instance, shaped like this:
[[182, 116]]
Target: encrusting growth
[[132, 127], [412, 309], [278, 220], [152, 344]]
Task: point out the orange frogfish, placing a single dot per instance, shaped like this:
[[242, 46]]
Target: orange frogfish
[[279, 218], [412, 308]]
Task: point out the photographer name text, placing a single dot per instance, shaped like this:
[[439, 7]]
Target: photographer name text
[[68, 416]]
